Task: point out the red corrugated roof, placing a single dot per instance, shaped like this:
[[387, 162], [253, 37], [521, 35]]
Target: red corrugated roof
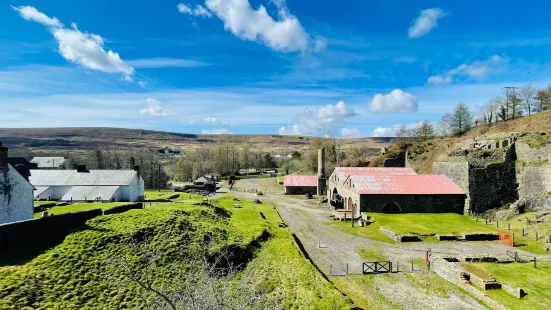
[[344, 172], [405, 184], [300, 180]]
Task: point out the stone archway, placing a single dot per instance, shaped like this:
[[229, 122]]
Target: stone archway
[[391, 208]]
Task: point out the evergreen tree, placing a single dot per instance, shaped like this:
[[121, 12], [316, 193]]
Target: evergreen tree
[[462, 119]]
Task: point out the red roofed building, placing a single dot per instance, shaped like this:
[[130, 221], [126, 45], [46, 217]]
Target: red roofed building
[[393, 190], [300, 184]]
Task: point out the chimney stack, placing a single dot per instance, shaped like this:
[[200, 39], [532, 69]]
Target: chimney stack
[[137, 169], [3, 156], [322, 181]]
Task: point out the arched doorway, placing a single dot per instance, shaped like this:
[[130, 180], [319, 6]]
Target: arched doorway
[[350, 204], [391, 208]]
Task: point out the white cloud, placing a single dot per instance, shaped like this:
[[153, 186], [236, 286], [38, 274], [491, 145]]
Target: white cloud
[[325, 120], [31, 13], [216, 121], [154, 108], [348, 133], [425, 22], [476, 71], [82, 48], [285, 34], [152, 63], [395, 102], [216, 132], [199, 10], [142, 84]]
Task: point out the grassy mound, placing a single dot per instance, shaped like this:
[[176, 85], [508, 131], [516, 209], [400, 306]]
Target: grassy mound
[[80, 274]]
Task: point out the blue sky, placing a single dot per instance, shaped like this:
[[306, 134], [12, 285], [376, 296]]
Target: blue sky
[[347, 68]]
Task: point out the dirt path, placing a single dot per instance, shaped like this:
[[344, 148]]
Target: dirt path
[[340, 255]]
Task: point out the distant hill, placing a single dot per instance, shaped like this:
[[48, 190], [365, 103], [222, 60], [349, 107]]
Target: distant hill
[[64, 139]]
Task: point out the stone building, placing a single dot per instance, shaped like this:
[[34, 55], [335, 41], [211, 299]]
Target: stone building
[[88, 185], [393, 190], [16, 193], [300, 184]]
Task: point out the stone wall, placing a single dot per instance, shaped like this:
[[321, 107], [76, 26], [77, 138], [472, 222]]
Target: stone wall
[[399, 161], [529, 154], [299, 190], [493, 186], [535, 182], [457, 172], [25, 235], [414, 203]]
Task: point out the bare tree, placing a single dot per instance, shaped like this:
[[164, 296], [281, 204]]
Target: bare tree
[[528, 96], [444, 125]]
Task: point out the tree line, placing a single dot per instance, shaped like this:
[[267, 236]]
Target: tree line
[[514, 102]]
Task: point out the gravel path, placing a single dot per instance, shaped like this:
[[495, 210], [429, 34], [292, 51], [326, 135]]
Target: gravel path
[[336, 254]]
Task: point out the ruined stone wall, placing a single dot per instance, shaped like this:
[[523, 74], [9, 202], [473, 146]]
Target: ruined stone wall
[[399, 161], [493, 186], [457, 172], [528, 154], [414, 203]]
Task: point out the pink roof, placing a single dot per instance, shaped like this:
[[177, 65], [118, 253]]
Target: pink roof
[[344, 172], [300, 180], [405, 184]]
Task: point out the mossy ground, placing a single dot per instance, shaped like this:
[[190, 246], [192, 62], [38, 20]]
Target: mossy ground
[[428, 224], [78, 273], [535, 281]]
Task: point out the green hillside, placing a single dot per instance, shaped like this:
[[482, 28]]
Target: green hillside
[[84, 272]]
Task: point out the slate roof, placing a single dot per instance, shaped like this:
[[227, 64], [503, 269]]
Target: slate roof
[[300, 180], [72, 177], [344, 172], [405, 184], [48, 162], [90, 192]]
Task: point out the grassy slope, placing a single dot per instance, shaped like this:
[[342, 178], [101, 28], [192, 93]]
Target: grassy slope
[[426, 153], [78, 273], [78, 207], [455, 224], [535, 281]]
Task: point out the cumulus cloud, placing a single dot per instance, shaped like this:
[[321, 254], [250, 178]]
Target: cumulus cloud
[[31, 13], [142, 84], [475, 71], [285, 34], [82, 48], [395, 102], [425, 22], [322, 120], [216, 121], [216, 132], [199, 10], [349, 133], [154, 108]]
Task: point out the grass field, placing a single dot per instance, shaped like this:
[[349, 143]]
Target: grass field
[[535, 281], [454, 224], [79, 274], [78, 207]]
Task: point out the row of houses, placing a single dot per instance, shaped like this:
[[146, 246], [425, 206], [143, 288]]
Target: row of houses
[[384, 190], [21, 183]]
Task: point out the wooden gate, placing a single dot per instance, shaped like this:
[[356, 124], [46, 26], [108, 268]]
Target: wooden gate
[[377, 267]]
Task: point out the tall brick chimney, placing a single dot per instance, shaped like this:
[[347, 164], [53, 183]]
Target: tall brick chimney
[[322, 181], [3, 156]]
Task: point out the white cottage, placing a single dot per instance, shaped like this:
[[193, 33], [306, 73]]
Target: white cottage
[[88, 185], [16, 193]]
